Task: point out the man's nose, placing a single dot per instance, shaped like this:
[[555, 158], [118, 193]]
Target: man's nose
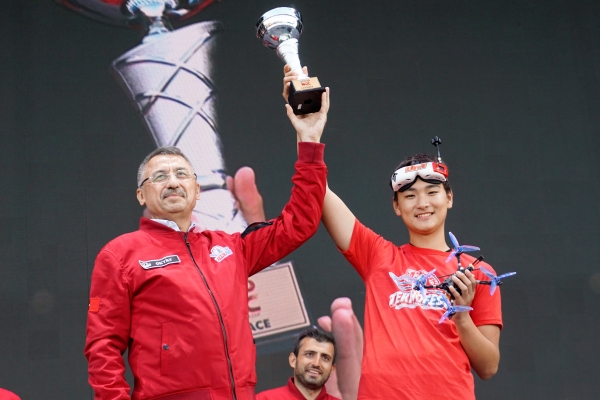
[[173, 182], [422, 201]]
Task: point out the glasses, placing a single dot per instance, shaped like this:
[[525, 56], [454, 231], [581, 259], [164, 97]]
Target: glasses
[[163, 177]]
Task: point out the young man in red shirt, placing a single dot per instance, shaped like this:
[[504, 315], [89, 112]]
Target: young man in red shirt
[[313, 360], [408, 351]]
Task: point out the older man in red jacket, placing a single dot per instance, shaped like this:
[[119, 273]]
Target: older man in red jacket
[[177, 298]]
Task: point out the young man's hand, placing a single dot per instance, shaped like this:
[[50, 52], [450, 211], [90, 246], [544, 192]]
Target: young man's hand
[[466, 283]]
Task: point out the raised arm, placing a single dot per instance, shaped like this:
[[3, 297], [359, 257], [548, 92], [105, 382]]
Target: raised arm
[[338, 220], [267, 242], [337, 217]]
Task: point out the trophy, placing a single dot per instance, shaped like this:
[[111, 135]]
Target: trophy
[[168, 78], [280, 29]]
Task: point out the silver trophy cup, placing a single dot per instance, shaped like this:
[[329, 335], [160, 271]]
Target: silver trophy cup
[[280, 29]]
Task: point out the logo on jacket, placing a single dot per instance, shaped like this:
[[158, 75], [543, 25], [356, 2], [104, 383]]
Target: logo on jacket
[[163, 262], [219, 253]]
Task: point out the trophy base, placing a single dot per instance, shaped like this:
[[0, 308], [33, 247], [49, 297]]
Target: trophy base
[[305, 96]]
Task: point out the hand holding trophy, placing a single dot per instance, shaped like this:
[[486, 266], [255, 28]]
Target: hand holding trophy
[[280, 29]]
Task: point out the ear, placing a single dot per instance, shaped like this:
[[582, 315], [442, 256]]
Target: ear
[[396, 205], [292, 360], [140, 196], [197, 191], [450, 196]]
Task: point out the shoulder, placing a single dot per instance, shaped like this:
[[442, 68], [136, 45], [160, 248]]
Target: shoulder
[[210, 238], [125, 239], [6, 395], [362, 234]]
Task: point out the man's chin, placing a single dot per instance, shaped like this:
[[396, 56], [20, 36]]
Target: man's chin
[[313, 382]]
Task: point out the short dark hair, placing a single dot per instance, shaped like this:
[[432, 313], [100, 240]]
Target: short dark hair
[[319, 335], [418, 159], [160, 151]]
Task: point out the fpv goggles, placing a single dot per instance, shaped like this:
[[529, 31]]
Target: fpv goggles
[[431, 172]]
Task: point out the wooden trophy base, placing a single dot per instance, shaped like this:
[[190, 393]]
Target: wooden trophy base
[[305, 96]]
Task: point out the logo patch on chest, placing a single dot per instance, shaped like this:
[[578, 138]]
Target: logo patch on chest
[[163, 262], [219, 253]]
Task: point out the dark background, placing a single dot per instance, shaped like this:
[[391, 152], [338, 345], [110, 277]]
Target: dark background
[[512, 87]]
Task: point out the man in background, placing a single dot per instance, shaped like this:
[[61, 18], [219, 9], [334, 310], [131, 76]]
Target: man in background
[[313, 361]]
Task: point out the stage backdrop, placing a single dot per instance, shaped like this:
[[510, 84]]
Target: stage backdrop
[[512, 87]]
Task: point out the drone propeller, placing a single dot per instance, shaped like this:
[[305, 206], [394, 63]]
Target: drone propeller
[[419, 283], [451, 310], [458, 249], [495, 280]]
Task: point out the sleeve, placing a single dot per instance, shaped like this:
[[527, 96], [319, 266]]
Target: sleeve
[[487, 309], [361, 253], [6, 395], [300, 217], [108, 329]]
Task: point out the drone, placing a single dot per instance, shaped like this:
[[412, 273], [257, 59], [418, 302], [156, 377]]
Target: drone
[[420, 283]]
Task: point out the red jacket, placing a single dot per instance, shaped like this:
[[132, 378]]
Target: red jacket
[[6, 395], [291, 392], [179, 302]]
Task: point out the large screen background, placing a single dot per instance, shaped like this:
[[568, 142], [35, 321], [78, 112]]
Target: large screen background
[[511, 87]]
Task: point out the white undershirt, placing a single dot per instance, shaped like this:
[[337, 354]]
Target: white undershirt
[[172, 224]]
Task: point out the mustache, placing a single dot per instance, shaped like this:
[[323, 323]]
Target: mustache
[[313, 367], [178, 191]]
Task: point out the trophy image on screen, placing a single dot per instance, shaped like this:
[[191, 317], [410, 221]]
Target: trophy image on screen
[[280, 29], [168, 77]]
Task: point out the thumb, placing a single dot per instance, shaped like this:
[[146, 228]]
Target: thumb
[[290, 113]]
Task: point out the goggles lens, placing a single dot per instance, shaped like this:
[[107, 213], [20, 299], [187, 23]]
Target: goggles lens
[[404, 177]]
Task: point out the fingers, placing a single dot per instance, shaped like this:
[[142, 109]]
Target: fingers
[[349, 342], [229, 183], [466, 283], [458, 280], [290, 113], [325, 102], [286, 90], [246, 193], [289, 76], [325, 323], [341, 302], [332, 385]]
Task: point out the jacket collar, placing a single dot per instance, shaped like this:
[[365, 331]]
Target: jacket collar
[[157, 226]]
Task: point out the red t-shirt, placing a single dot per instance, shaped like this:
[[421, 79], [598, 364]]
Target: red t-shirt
[[407, 353], [291, 392]]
